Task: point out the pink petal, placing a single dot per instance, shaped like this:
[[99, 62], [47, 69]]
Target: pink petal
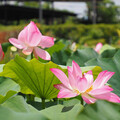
[[42, 53], [88, 99], [32, 27], [16, 43], [1, 49], [66, 93], [23, 35], [98, 47], [46, 42], [76, 69], [82, 84], [102, 78], [60, 86], [61, 76], [34, 40], [104, 89], [111, 97], [69, 68], [72, 80], [89, 78], [27, 51], [32, 35], [1, 53]]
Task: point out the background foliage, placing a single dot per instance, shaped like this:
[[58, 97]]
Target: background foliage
[[87, 35]]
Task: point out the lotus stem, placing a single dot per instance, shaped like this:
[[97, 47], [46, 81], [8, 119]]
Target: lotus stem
[[31, 55], [43, 103], [82, 102], [30, 97]]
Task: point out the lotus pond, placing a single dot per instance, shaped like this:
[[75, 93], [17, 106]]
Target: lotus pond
[[46, 79]]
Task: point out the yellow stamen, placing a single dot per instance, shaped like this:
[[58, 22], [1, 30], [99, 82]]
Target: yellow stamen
[[88, 90], [76, 91]]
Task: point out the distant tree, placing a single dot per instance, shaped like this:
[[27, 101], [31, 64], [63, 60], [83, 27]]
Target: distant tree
[[31, 4], [107, 11], [47, 5]]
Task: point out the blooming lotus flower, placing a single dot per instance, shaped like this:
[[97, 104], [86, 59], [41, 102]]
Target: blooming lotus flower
[[77, 84], [30, 39], [98, 47], [1, 53]]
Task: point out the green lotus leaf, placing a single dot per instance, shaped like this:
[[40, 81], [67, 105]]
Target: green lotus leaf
[[110, 64], [8, 88], [82, 55], [101, 110], [33, 75]]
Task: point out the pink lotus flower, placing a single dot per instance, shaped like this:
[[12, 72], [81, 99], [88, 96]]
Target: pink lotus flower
[[1, 53], [30, 38], [98, 47], [77, 84]]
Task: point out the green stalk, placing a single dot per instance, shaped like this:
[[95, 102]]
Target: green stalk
[[43, 103], [58, 101], [30, 97], [31, 55], [82, 102]]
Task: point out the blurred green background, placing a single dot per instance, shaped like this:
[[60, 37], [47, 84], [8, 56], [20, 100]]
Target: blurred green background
[[79, 30]]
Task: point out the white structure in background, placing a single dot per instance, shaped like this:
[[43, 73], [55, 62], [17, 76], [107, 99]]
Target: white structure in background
[[117, 2], [80, 8]]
